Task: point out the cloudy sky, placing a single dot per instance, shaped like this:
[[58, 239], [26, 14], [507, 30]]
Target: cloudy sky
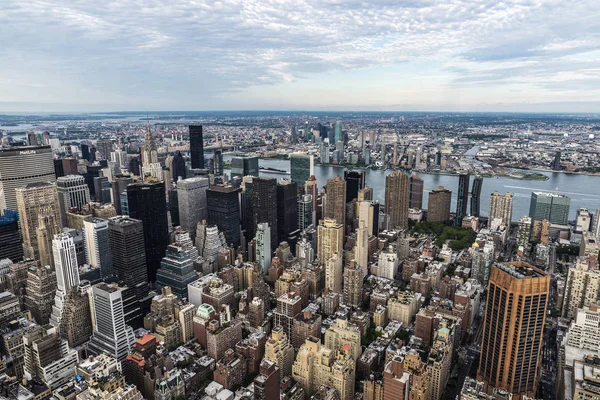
[[471, 55]]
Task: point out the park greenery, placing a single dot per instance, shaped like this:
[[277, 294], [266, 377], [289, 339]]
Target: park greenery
[[458, 237]]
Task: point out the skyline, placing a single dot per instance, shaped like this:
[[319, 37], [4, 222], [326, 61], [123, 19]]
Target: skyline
[[519, 56]]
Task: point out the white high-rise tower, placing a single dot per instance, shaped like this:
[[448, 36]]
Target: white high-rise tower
[[67, 273]]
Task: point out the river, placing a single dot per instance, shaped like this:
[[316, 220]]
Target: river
[[584, 190]]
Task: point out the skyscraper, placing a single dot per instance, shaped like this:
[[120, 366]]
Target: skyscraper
[[41, 290], [126, 240], [218, 166], [302, 167], [20, 166], [513, 328], [147, 202], [353, 285], [266, 384], [111, 334], [463, 198], [501, 208], [361, 248], [330, 239], [355, 181], [287, 209], [305, 213], [97, 248], [178, 169], [551, 206], [263, 246], [416, 192], [438, 205], [264, 205], [476, 196], [72, 193], [33, 200], [191, 199], [176, 271], [67, 273], [339, 138], [196, 146], [335, 205], [223, 207], [10, 236], [397, 199], [556, 161], [151, 167], [102, 189], [118, 187], [244, 166]]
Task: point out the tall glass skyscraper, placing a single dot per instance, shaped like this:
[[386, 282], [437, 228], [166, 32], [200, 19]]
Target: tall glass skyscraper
[[463, 198], [302, 166], [176, 271], [196, 146], [476, 196], [551, 206]]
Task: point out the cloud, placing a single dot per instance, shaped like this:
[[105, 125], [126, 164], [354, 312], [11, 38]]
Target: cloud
[[205, 54]]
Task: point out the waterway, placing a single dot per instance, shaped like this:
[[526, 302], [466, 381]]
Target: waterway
[[584, 190]]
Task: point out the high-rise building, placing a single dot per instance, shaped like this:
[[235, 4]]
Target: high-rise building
[[330, 239], [476, 196], [289, 305], [343, 332], [462, 199], [368, 213], [111, 335], [33, 200], [335, 206], [196, 146], [513, 328], [126, 241], [551, 206], [353, 284], [556, 161], [355, 181], [501, 208], [279, 351], [178, 169], [416, 192], [244, 166], [176, 271], [10, 236], [387, 264], [583, 220], [266, 384], [438, 205], [334, 273], [72, 193], [97, 248], [223, 208], [76, 320], [305, 214], [397, 199], [40, 289], [361, 248], [264, 205], [287, 209], [20, 166], [302, 167], [67, 273], [102, 189], [596, 223], [151, 168], [582, 287], [104, 147], [119, 190], [263, 247], [147, 202], [523, 231], [192, 205], [45, 233]]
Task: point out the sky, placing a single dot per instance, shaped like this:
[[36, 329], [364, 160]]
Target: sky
[[415, 55]]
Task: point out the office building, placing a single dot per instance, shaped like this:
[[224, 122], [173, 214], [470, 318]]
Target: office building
[[397, 198], [126, 242], [10, 236], [334, 273], [556, 162], [192, 205], [111, 335], [178, 168], [305, 213], [476, 196], [76, 317], [264, 205], [279, 351], [151, 168], [438, 205], [335, 205], [583, 220], [361, 248], [67, 273], [582, 287], [263, 247], [302, 167], [33, 200], [368, 213], [119, 191], [223, 208], [97, 248], [501, 208], [196, 146], [342, 332], [330, 239], [48, 358], [416, 192], [517, 296], [287, 209], [102, 189], [147, 203], [523, 232], [72, 193], [176, 271], [45, 233], [551, 206], [244, 166], [289, 305], [266, 384], [21, 166], [40, 292], [209, 242], [355, 181], [462, 199]]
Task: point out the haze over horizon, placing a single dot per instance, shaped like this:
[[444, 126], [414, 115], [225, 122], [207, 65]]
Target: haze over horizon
[[421, 55]]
